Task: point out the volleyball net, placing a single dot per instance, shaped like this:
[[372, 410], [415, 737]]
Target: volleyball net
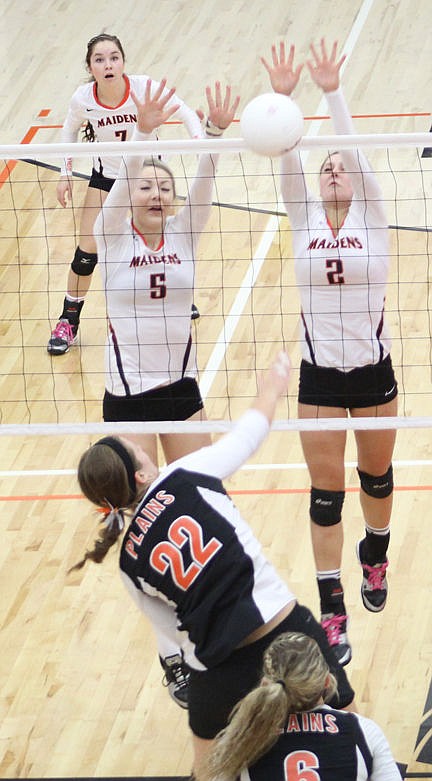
[[245, 288]]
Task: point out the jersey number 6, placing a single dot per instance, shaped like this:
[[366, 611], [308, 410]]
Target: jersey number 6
[[301, 766]]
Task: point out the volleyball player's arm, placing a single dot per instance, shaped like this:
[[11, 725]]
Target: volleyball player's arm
[[284, 77], [73, 121], [229, 453], [161, 615], [114, 212], [363, 178], [384, 767], [189, 118], [295, 193], [195, 212], [69, 133], [152, 111]]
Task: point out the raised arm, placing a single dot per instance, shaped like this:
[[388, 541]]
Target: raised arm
[[284, 77], [325, 68], [225, 456], [152, 111], [190, 120], [196, 210]]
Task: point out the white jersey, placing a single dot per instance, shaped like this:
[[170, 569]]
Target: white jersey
[[191, 562], [341, 277], [116, 123], [149, 293], [328, 744]]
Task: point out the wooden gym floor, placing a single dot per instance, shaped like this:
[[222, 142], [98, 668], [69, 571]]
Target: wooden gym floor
[[80, 683]]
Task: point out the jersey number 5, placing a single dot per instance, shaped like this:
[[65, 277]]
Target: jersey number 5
[[157, 286], [301, 766], [169, 553]]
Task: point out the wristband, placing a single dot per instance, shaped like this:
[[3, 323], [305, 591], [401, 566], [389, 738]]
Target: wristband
[[66, 167], [212, 130]]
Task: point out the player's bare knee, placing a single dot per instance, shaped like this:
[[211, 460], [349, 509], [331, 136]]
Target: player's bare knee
[[84, 263], [326, 506], [379, 487]]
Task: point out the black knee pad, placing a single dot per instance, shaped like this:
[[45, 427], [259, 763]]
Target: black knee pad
[[84, 263], [378, 487], [326, 506]]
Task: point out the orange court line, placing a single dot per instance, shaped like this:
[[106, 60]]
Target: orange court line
[[236, 492], [354, 116], [29, 136]]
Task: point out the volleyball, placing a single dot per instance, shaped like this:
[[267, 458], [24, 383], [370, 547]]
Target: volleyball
[[271, 124]]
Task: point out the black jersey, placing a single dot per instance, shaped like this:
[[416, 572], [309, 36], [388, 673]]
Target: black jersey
[[327, 745], [192, 563]]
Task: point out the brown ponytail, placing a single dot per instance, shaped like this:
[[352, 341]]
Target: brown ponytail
[[105, 476]]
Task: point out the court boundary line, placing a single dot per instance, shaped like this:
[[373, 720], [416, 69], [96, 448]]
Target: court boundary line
[[233, 492], [294, 466]]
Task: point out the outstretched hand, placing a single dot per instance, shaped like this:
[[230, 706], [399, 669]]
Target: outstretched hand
[[324, 68], [221, 110], [272, 384], [283, 76], [153, 111], [275, 380]]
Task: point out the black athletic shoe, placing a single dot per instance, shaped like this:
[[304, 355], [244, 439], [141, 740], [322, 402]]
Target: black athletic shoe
[[374, 587], [194, 313], [176, 678], [63, 337], [335, 627]]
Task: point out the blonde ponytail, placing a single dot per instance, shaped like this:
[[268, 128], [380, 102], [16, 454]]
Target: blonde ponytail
[[296, 678]]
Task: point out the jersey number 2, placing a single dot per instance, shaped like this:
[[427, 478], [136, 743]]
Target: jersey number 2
[[335, 272], [301, 766], [169, 553]]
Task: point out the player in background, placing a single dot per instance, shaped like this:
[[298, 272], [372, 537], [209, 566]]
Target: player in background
[[192, 564], [341, 251], [283, 729], [105, 107]]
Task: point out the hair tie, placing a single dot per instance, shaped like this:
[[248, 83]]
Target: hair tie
[[282, 683], [112, 514], [126, 458]]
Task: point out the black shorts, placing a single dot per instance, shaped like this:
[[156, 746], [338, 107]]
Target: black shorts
[[213, 693], [178, 401], [367, 386], [100, 182]]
